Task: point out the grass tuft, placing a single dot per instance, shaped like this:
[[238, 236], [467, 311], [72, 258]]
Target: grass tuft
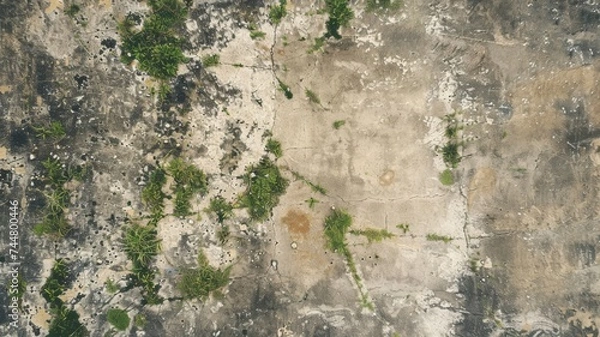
[[118, 318], [264, 186], [199, 283], [222, 209], [278, 12], [373, 235], [338, 124], [312, 96], [188, 181], [446, 177], [274, 146], [155, 46], [211, 60], [437, 237]]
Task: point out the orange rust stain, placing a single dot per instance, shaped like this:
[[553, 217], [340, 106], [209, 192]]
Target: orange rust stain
[[297, 222]]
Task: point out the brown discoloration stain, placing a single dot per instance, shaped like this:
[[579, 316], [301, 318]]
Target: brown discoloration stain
[[387, 178], [297, 222]]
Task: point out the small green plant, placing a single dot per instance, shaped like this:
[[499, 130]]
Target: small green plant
[[339, 16], [403, 227], [211, 60], [56, 283], [152, 194], [336, 226], [474, 265], [111, 286], [188, 181], [155, 46], [199, 283], [451, 155], [238, 65], [274, 146], [72, 10], [447, 177], [118, 318], [373, 235], [338, 124], [437, 237], [450, 151], [54, 130], [140, 244], [65, 322], [381, 6], [318, 45], [314, 187], [311, 202], [54, 222], [139, 320], [257, 35], [264, 186], [278, 12], [164, 90], [222, 208], [223, 234], [312, 96], [287, 92]]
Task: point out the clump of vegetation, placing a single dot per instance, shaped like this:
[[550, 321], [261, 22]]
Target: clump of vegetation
[[155, 46], [54, 221], [437, 237], [278, 12], [339, 16], [373, 235], [72, 10], [211, 60], [111, 286], [314, 187], [65, 322], [188, 181], [338, 124], [200, 282], [139, 320], [383, 5], [319, 42], [446, 177], [56, 283], [450, 154], [152, 194], [222, 209], [264, 186], [223, 234], [450, 151], [54, 130], [274, 146], [140, 244], [336, 225], [403, 227], [312, 96], [118, 318], [287, 92], [257, 35]]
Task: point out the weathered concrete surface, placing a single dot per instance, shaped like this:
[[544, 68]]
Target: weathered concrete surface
[[522, 213]]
